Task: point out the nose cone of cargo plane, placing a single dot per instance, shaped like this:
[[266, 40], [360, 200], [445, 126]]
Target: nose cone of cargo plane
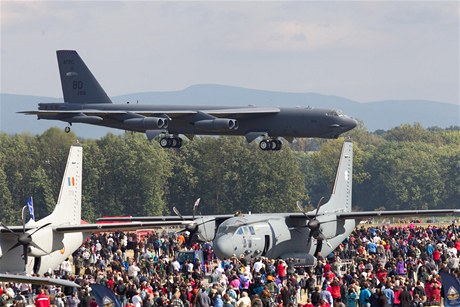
[[223, 246]]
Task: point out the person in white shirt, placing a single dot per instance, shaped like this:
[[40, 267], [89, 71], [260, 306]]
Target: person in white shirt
[[176, 265], [66, 266], [133, 270], [258, 265], [136, 299]]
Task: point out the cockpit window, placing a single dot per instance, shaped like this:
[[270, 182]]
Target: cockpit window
[[227, 229], [251, 230], [335, 113], [239, 231]]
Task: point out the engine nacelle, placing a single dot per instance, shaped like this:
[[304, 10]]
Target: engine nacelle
[[47, 240], [206, 228], [147, 122], [217, 124]]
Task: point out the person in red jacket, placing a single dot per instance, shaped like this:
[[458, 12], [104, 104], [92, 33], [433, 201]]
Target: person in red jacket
[[437, 256], [335, 289], [435, 294], [42, 300]]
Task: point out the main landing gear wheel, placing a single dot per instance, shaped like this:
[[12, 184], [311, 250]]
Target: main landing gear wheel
[[265, 145], [171, 142], [270, 145]]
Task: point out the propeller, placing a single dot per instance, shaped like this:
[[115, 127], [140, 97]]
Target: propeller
[[193, 227], [315, 228], [190, 227], [25, 239]]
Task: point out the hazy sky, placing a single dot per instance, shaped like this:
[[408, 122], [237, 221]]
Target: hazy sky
[[364, 51]]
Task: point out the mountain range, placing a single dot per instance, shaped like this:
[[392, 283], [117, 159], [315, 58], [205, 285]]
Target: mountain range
[[375, 115]]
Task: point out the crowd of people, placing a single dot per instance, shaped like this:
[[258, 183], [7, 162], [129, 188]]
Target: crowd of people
[[375, 266]]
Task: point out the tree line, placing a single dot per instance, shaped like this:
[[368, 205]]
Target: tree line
[[407, 167]]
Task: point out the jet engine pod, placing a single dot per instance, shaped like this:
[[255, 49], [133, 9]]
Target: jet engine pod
[[217, 124], [147, 122]]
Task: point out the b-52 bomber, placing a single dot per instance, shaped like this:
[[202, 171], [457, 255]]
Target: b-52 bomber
[[85, 101], [300, 236]]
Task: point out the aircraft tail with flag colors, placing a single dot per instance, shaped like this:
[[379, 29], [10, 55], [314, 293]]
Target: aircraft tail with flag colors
[[68, 207], [40, 246]]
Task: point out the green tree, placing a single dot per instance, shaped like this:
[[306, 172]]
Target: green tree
[[230, 175], [133, 177], [405, 175]]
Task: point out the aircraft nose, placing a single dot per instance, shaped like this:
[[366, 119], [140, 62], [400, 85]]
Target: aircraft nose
[[350, 123], [223, 246]]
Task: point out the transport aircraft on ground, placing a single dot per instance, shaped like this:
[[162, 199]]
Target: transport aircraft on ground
[[299, 236], [37, 247]]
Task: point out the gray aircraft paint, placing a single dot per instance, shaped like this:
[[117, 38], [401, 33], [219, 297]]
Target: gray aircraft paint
[[85, 101]]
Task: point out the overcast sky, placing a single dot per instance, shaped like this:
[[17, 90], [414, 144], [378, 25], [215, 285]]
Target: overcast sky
[[364, 51]]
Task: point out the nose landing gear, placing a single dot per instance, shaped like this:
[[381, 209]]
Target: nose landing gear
[[67, 129]]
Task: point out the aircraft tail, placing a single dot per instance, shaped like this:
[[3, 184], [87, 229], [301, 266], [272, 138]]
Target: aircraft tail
[[340, 200], [78, 83], [68, 207]]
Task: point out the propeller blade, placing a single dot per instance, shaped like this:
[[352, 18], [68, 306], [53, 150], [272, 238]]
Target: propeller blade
[[25, 250], [43, 226], [319, 205], [176, 211], [8, 229], [297, 203], [38, 247], [195, 205], [13, 247], [319, 246]]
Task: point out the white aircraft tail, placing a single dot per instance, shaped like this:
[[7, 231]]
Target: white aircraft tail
[[78, 83], [340, 200], [68, 207]]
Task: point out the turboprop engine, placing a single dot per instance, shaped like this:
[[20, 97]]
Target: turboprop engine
[[217, 124], [203, 229], [46, 246], [147, 122]]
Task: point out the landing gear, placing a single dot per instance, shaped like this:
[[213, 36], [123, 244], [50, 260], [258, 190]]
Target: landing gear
[[67, 129], [270, 144], [171, 142]]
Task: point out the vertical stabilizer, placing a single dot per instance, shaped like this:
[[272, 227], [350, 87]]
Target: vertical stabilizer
[[340, 200], [68, 207], [78, 83]]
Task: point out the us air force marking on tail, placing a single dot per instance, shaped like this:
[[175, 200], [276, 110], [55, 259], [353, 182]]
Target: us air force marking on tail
[[86, 102]]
